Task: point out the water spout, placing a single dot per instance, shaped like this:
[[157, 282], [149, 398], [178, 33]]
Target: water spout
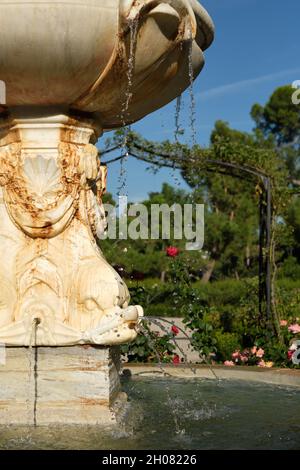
[[133, 28], [177, 133], [178, 130], [33, 372], [191, 88]]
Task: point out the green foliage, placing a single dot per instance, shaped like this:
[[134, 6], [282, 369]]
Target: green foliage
[[279, 117], [290, 269], [223, 316], [226, 344], [149, 346], [279, 120], [149, 256], [174, 299], [246, 320], [288, 300], [216, 290], [292, 245], [203, 340], [230, 199], [223, 293]]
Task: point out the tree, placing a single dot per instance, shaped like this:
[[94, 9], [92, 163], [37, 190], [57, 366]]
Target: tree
[[231, 198], [148, 257], [231, 233], [279, 120]]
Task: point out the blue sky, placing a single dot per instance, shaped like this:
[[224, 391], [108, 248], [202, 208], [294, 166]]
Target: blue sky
[[256, 49]]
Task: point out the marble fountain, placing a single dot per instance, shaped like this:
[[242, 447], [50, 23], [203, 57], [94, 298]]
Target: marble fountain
[[66, 68]]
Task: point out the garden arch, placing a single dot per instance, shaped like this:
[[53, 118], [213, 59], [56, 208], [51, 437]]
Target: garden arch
[[242, 171]]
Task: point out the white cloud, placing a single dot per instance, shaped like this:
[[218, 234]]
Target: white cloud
[[242, 85]]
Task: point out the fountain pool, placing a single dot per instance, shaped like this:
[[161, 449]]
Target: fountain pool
[[211, 414]]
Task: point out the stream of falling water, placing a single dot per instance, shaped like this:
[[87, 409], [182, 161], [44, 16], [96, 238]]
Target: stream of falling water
[[192, 108], [177, 133], [191, 88], [133, 28], [177, 118], [171, 401], [32, 374], [178, 430], [178, 105]]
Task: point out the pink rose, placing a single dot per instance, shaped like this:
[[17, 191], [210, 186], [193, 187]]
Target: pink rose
[[172, 251], [283, 322], [229, 363], [260, 352], [261, 364], [253, 350], [235, 355], [294, 328], [244, 358]]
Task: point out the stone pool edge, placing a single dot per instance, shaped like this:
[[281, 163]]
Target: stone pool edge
[[274, 376]]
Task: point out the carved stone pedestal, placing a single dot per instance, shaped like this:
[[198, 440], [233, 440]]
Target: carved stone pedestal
[[56, 288], [66, 385]]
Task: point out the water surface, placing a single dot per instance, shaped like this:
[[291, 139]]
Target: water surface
[[182, 414]]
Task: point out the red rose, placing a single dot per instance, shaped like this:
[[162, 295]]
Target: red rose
[[290, 354], [176, 359], [172, 251], [175, 330]]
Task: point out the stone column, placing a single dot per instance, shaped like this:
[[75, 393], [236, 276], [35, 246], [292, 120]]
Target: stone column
[[53, 273], [66, 385], [56, 288]]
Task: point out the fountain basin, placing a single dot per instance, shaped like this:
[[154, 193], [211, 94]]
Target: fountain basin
[[76, 54], [211, 414]]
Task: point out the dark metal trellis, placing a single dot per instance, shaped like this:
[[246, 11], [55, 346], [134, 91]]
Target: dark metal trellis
[[265, 208]]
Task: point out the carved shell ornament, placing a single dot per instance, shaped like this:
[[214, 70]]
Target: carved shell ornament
[[42, 193], [42, 178], [37, 198]]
